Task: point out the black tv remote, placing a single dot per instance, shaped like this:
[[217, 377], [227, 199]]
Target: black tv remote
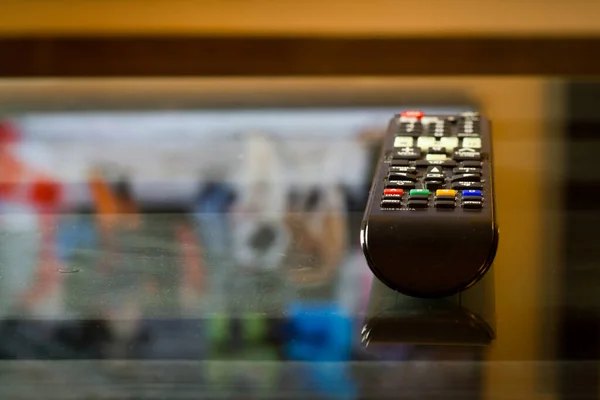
[[429, 228]]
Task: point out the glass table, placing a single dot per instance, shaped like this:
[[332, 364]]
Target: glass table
[[188, 252]]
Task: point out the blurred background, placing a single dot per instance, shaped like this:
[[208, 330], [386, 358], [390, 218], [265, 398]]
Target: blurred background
[[183, 182]]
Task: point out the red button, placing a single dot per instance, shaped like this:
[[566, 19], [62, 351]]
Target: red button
[[413, 114], [398, 192]]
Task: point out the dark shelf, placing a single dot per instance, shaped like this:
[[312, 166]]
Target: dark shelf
[[295, 56]]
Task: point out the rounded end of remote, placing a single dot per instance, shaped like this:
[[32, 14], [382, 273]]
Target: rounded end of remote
[[437, 259]]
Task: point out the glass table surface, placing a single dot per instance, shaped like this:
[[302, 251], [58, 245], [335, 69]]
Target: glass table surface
[[215, 254]]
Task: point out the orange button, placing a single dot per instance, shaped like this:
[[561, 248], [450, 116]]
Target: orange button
[[445, 193]]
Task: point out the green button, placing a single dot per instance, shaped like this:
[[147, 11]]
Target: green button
[[419, 192]]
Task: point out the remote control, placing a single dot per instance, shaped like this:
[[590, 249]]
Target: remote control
[[429, 228]]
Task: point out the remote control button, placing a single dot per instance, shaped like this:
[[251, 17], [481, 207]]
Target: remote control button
[[471, 164], [434, 185], [419, 192], [391, 197], [440, 134], [404, 169], [443, 163], [467, 134], [447, 193], [434, 177], [450, 143], [473, 115], [400, 184], [472, 204], [425, 142], [408, 153], [466, 178], [467, 185], [436, 150], [467, 154], [471, 198], [445, 203], [410, 128], [418, 203], [401, 176], [428, 119], [390, 203], [473, 143], [399, 163], [412, 114], [469, 125], [452, 119], [393, 192], [469, 119], [436, 157], [472, 193], [463, 170], [434, 169], [403, 141]]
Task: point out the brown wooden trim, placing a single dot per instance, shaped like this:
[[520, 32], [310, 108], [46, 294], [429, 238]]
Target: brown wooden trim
[[293, 56]]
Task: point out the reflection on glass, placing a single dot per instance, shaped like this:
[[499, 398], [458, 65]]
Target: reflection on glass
[[466, 319]]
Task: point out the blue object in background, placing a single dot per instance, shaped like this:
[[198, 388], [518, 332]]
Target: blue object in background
[[210, 213], [321, 333], [318, 332], [75, 233]]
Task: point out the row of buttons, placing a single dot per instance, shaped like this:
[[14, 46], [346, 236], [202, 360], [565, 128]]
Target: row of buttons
[[433, 185], [465, 176], [438, 130], [435, 172], [434, 128], [419, 198], [415, 153], [432, 144], [413, 122], [420, 115], [426, 163]]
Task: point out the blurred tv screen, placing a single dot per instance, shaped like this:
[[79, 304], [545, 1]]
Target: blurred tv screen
[[215, 215]]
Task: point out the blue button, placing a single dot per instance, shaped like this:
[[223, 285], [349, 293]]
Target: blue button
[[471, 193]]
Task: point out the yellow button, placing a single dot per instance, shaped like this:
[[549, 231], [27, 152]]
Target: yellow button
[[445, 193]]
